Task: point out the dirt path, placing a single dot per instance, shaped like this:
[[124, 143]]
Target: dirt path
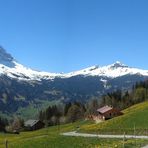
[[75, 134], [145, 146]]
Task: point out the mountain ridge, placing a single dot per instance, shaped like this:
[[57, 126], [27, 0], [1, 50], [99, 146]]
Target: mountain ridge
[[10, 67]]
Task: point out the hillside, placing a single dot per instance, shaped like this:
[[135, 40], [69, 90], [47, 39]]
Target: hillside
[[51, 138], [134, 120]]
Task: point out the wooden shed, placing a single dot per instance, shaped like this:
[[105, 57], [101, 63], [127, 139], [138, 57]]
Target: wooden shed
[[107, 112], [33, 124]]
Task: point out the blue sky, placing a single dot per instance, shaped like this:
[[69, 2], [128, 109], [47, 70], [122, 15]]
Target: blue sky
[[68, 35]]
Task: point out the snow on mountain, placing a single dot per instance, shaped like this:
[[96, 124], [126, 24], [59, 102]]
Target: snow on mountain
[[11, 68], [22, 73], [114, 70]]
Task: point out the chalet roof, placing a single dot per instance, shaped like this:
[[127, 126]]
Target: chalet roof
[[31, 122], [104, 109]]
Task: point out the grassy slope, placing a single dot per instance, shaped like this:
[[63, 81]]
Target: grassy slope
[[50, 138], [135, 116]]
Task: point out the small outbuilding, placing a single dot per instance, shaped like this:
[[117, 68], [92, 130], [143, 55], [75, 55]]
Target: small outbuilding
[[33, 125]]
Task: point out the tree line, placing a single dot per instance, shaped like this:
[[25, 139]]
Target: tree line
[[57, 114], [124, 99]]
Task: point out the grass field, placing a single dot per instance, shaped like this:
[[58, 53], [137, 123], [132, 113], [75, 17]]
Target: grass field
[[50, 138], [134, 120]]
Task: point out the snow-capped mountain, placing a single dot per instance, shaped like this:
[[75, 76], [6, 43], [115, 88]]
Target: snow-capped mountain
[[21, 86], [11, 68], [114, 70], [23, 73]]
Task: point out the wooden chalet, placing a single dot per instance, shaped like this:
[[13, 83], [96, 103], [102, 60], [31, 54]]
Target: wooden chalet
[[105, 113]]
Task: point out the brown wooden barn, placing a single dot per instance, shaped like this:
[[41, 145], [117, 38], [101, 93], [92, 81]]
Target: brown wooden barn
[[107, 112], [33, 124]]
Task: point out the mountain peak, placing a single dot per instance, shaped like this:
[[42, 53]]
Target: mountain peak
[[118, 64], [6, 58]]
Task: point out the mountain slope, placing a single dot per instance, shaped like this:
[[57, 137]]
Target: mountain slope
[[11, 68], [21, 86]]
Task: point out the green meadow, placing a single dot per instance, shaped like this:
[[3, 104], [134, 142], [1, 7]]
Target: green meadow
[[51, 138]]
